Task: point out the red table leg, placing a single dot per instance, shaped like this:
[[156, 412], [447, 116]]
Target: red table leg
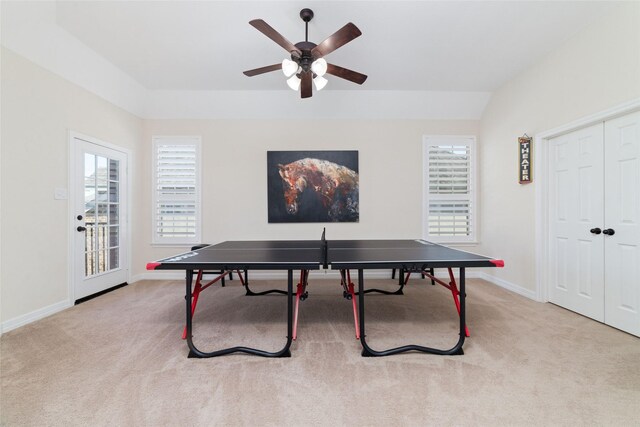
[[198, 287], [453, 287]]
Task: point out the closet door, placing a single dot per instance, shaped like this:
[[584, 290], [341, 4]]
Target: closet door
[[622, 216], [576, 251]]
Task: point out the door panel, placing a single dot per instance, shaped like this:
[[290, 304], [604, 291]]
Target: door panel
[[100, 207], [575, 202], [622, 200]]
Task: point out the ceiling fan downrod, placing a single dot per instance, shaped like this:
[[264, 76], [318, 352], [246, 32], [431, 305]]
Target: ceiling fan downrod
[[306, 15]]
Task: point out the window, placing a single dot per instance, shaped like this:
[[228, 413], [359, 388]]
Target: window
[[176, 190], [449, 189]]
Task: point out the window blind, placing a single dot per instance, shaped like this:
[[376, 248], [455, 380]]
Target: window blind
[[176, 191], [449, 195]]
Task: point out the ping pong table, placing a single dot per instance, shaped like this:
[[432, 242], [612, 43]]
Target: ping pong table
[[343, 255]]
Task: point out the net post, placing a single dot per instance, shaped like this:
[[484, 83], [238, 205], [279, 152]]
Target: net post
[[325, 250]]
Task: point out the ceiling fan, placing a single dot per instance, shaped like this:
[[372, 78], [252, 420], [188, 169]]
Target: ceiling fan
[[307, 63]]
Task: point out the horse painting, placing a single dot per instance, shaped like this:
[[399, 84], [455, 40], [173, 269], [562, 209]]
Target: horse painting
[[335, 186]]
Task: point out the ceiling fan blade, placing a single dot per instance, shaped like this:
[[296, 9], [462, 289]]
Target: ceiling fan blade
[[341, 37], [268, 31], [344, 73], [306, 86], [262, 70]]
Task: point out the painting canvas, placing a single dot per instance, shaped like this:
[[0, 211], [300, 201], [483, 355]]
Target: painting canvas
[[313, 186]]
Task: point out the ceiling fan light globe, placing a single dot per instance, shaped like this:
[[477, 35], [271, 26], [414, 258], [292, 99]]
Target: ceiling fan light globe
[[289, 67], [319, 67], [320, 82], [294, 82]]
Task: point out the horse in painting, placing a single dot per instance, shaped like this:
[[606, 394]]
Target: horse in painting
[[336, 187]]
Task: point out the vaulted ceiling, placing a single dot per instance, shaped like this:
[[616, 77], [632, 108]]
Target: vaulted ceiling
[[437, 46]]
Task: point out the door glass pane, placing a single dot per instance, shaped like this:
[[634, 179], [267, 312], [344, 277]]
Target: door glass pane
[[113, 191], [114, 214], [101, 189], [90, 264], [103, 242], [101, 168], [101, 179], [114, 170], [113, 236], [89, 210], [102, 261], [89, 240], [102, 214], [114, 260], [89, 178], [114, 173], [90, 213]]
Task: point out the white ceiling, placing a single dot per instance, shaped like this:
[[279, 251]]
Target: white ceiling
[[405, 45], [184, 59]]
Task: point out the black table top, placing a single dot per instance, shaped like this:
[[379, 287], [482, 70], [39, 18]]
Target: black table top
[[312, 255]]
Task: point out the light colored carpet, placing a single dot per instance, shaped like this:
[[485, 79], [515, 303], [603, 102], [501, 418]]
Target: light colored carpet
[[119, 360]]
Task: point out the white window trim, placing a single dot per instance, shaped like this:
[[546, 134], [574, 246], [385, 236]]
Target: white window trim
[[183, 139], [470, 140]]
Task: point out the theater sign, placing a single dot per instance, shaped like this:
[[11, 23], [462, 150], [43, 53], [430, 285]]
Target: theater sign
[[526, 159]]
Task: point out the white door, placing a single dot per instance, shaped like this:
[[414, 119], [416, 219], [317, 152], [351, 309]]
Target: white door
[[576, 250], [622, 215], [100, 226]]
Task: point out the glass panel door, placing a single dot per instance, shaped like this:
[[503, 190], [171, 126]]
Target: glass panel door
[[100, 260]]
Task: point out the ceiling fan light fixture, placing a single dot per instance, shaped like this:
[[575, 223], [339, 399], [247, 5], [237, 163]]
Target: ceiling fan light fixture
[[294, 82], [305, 61], [319, 67], [320, 82], [289, 67]]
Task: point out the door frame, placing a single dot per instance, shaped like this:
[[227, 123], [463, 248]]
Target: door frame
[[73, 195], [541, 174]]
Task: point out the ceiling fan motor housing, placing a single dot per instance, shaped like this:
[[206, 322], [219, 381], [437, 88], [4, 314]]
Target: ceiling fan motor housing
[[305, 59]]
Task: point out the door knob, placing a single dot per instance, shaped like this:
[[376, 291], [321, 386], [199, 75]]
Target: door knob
[[81, 228], [596, 230], [609, 231]]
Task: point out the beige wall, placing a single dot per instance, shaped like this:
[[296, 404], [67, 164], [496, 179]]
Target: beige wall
[[597, 69], [234, 159], [38, 110]]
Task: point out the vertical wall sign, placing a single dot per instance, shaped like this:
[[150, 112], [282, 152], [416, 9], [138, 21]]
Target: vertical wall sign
[[525, 158]]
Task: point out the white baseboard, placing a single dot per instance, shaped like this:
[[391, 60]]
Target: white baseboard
[[335, 275], [508, 286], [157, 275], [258, 275], [16, 322], [318, 274]]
